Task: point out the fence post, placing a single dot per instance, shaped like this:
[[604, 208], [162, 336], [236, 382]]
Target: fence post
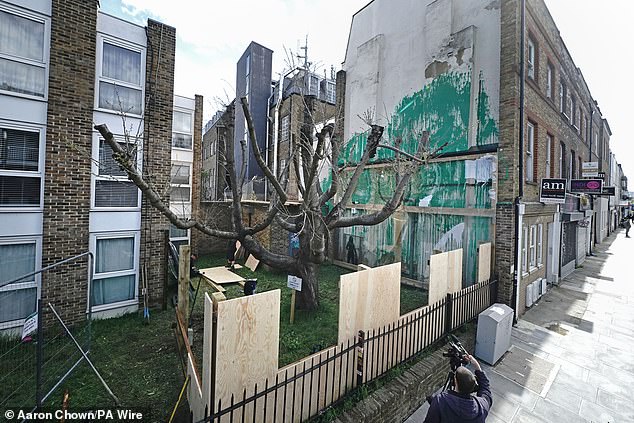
[[38, 355], [360, 354], [448, 314]]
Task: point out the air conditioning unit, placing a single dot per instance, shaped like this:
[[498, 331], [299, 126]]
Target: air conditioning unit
[[529, 295]]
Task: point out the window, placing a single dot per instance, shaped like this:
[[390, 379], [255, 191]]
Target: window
[[533, 246], [20, 169], [182, 130], [562, 160], [530, 149], [540, 244], [115, 270], [23, 54], [181, 186], [121, 79], [595, 140], [563, 96], [573, 110], [530, 59], [112, 186], [331, 92], [246, 86], [176, 232], [313, 85], [587, 129], [579, 168], [549, 146], [525, 249], [550, 75], [571, 165], [286, 130], [247, 65], [18, 299]]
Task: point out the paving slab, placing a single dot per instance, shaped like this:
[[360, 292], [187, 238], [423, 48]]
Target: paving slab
[[570, 359]]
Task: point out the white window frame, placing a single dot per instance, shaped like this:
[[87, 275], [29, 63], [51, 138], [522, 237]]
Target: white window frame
[[563, 96], [530, 151], [573, 111], [123, 179], [562, 163], [530, 59], [550, 70], [549, 144], [285, 128], [134, 271], [191, 125], [101, 38], [533, 247], [28, 173], [44, 63], [187, 185], [540, 245], [37, 279]]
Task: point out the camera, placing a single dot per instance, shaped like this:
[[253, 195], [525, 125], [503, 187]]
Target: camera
[[457, 354]]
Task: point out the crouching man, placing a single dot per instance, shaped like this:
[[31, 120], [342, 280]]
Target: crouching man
[[461, 405]]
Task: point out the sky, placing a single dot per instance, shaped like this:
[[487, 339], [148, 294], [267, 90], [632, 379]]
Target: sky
[[210, 40]]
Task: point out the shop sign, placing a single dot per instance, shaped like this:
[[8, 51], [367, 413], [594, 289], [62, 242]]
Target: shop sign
[[552, 191], [586, 186]]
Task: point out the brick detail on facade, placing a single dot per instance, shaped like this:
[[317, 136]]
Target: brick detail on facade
[[159, 92], [68, 154], [504, 251]]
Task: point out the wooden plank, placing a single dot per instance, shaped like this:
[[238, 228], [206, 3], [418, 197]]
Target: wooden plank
[[484, 262], [248, 344], [217, 288], [182, 307], [438, 277], [220, 275], [454, 281], [368, 299], [252, 263]]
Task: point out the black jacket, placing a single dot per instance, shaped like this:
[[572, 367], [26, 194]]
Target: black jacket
[[450, 406]]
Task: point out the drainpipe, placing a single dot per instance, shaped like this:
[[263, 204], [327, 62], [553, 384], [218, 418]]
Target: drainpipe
[[592, 219], [519, 207]]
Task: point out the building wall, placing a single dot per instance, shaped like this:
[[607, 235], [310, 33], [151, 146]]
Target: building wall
[[68, 143], [425, 66], [213, 146], [158, 122], [257, 59]]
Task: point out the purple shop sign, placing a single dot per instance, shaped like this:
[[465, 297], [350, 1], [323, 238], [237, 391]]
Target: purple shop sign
[[586, 186]]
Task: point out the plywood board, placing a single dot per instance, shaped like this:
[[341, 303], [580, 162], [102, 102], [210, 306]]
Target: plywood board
[[252, 263], [445, 274], [454, 270], [220, 275], [438, 277], [368, 299], [484, 262], [247, 330]]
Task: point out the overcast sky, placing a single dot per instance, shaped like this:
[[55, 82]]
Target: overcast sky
[[210, 40]]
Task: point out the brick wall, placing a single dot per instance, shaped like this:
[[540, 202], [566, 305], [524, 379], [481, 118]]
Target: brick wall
[[68, 152], [157, 147], [399, 398]]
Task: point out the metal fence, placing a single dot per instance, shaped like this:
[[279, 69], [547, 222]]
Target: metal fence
[[307, 388], [34, 364]]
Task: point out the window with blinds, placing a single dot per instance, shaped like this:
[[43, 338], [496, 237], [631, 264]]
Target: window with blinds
[[112, 186], [20, 175]]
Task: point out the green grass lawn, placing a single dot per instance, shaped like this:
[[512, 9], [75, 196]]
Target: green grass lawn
[[140, 362], [311, 331]]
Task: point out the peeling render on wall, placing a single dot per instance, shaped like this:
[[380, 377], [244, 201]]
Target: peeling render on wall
[[429, 66]]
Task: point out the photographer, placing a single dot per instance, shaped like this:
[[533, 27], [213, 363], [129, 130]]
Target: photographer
[[460, 405]]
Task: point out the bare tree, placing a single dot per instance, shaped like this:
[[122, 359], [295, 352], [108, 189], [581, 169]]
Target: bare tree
[[310, 223]]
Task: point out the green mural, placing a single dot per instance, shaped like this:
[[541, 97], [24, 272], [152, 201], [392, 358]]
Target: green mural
[[442, 108]]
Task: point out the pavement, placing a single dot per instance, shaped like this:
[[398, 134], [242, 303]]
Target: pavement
[[572, 354]]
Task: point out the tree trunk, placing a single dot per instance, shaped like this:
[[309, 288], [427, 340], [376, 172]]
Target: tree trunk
[[308, 297]]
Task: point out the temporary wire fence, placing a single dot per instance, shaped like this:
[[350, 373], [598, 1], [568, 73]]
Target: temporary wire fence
[[309, 387], [36, 352]]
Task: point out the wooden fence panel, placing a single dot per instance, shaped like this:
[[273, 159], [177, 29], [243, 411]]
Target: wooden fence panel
[[484, 262]]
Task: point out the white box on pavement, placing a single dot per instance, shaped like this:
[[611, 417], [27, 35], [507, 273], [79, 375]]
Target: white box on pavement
[[493, 337]]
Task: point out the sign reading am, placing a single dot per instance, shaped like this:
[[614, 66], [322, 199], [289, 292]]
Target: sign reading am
[[552, 191]]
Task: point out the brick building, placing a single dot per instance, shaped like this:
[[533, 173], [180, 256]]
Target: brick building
[[215, 184], [453, 69], [65, 67]]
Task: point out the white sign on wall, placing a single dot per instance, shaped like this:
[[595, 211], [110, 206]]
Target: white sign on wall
[[294, 283], [590, 169], [30, 325]]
